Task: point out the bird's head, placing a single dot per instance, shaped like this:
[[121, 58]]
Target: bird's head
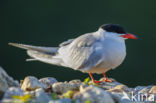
[[118, 31]]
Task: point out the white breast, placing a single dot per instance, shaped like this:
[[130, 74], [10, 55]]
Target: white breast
[[114, 52]]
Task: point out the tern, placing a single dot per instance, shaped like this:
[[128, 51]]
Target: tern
[[95, 52]]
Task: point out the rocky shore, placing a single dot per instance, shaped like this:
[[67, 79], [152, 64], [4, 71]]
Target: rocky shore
[[49, 90]]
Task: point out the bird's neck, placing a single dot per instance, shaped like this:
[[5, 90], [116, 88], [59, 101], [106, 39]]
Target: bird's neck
[[99, 33]]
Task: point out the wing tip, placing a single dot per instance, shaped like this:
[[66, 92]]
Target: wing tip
[[18, 45], [13, 44]]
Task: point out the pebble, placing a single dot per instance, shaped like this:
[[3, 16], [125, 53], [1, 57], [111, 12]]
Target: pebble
[[48, 81], [31, 83], [62, 87], [93, 94]]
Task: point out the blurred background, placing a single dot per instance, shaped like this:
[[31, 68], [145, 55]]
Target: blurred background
[[50, 22]]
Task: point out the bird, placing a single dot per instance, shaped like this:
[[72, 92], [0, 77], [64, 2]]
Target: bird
[[95, 52]]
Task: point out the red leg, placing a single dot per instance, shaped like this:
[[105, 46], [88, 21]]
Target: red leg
[[106, 79], [94, 81]]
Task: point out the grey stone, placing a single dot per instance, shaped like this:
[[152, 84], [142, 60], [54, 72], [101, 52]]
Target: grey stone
[[64, 100], [31, 83], [3, 85], [9, 100], [94, 95], [61, 87], [32, 93], [142, 89], [120, 88], [138, 88], [13, 91], [48, 81], [109, 85], [121, 97], [41, 96], [9, 80], [5, 82], [76, 81]]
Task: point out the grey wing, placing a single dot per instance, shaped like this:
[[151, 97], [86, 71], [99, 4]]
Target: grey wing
[[66, 42], [45, 50], [83, 54], [44, 54], [93, 60]]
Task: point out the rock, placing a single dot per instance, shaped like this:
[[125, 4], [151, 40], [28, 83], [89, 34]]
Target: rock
[[153, 90], [5, 82], [76, 81], [109, 85], [64, 100], [3, 87], [121, 97], [6, 100], [138, 88], [48, 81], [94, 95], [31, 83], [13, 91], [61, 87], [144, 90], [32, 93], [120, 88], [41, 97], [40, 91], [9, 80], [83, 86]]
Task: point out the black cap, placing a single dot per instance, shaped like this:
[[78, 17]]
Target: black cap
[[116, 28]]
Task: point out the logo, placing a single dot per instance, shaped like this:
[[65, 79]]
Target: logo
[[139, 97]]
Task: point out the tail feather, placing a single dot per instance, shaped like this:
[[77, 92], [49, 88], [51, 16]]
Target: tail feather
[[31, 59], [46, 58]]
